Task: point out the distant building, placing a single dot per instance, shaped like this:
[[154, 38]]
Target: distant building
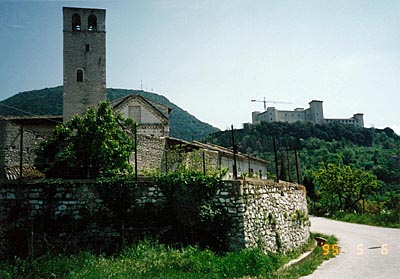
[[314, 114]]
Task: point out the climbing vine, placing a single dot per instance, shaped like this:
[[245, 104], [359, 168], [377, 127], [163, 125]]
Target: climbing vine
[[196, 217]]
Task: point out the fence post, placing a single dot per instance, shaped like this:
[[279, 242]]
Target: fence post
[[136, 155], [21, 151], [234, 154], [276, 161], [297, 166], [166, 160], [30, 245], [204, 163], [288, 164]]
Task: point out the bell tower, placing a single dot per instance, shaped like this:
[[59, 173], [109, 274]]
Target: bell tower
[[84, 60]]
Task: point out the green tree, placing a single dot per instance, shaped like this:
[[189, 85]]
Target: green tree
[[96, 144], [342, 187]]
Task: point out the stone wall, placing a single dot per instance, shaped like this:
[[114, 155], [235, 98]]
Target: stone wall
[[73, 216], [70, 216], [151, 154], [271, 215], [10, 140]]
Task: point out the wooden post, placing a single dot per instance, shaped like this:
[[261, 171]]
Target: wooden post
[[204, 163], [136, 155], [234, 154], [297, 167], [21, 150], [30, 245], [276, 161], [288, 164]]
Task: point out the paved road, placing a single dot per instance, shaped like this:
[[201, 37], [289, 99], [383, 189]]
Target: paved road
[[365, 251]]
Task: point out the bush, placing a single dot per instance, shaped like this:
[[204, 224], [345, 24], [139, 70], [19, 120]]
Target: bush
[[196, 219]]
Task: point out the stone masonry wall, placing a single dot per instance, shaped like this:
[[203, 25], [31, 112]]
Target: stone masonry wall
[[78, 215], [10, 138], [71, 216], [271, 215], [151, 154]]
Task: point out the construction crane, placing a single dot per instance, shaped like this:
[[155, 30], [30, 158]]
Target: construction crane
[[265, 102]]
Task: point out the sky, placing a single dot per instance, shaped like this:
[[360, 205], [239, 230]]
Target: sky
[[212, 57]]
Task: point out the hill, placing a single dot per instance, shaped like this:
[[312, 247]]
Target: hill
[[49, 101], [375, 150]]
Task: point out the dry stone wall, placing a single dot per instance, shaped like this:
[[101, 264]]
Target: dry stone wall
[[267, 214], [83, 214]]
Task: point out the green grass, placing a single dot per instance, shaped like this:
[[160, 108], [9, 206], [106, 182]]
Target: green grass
[[389, 219], [310, 264], [153, 260]]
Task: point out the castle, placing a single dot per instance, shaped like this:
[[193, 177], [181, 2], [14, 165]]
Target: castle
[[314, 114]]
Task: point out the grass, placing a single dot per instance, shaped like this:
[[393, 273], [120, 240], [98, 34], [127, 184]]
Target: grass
[[153, 260], [307, 266], [390, 219]]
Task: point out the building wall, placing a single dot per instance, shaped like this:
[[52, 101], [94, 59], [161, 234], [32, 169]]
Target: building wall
[[149, 122], [84, 50], [77, 215], [291, 116], [244, 166], [151, 154], [10, 138], [314, 114]]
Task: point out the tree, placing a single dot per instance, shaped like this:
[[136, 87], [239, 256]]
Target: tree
[[342, 187], [96, 144]]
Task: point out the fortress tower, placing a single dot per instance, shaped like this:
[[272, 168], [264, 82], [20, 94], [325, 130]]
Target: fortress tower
[[316, 112], [84, 60]]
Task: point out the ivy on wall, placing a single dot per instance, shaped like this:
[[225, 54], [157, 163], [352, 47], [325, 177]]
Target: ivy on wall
[[196, 218]]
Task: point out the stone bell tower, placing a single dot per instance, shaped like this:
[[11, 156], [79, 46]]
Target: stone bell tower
[[84, 60]]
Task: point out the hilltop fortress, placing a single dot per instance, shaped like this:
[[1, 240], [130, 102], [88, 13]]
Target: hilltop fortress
[[314, 114]]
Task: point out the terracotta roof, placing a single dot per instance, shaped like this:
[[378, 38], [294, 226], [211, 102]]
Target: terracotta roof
[[12, 173]]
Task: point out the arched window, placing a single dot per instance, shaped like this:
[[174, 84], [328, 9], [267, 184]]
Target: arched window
[[92, 23], [79, 75], [76, 22]]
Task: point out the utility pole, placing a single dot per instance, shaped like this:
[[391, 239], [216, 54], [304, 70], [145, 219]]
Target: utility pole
[[234, 154], [298, 168], [21, 149], [136, 155], [276, 161], [288, 164]]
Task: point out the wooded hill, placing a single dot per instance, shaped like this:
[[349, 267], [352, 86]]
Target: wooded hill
[[376, 150], [49, 101]]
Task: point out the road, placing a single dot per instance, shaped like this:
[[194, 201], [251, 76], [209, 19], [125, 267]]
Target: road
[[364, 251]]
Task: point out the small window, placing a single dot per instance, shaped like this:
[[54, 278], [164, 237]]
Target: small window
[[87, 48], [76, 22], [79, 76], [92, 23]]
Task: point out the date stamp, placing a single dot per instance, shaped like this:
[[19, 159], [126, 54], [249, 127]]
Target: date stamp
[[334, 249], [384, 249], [330, 249]]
